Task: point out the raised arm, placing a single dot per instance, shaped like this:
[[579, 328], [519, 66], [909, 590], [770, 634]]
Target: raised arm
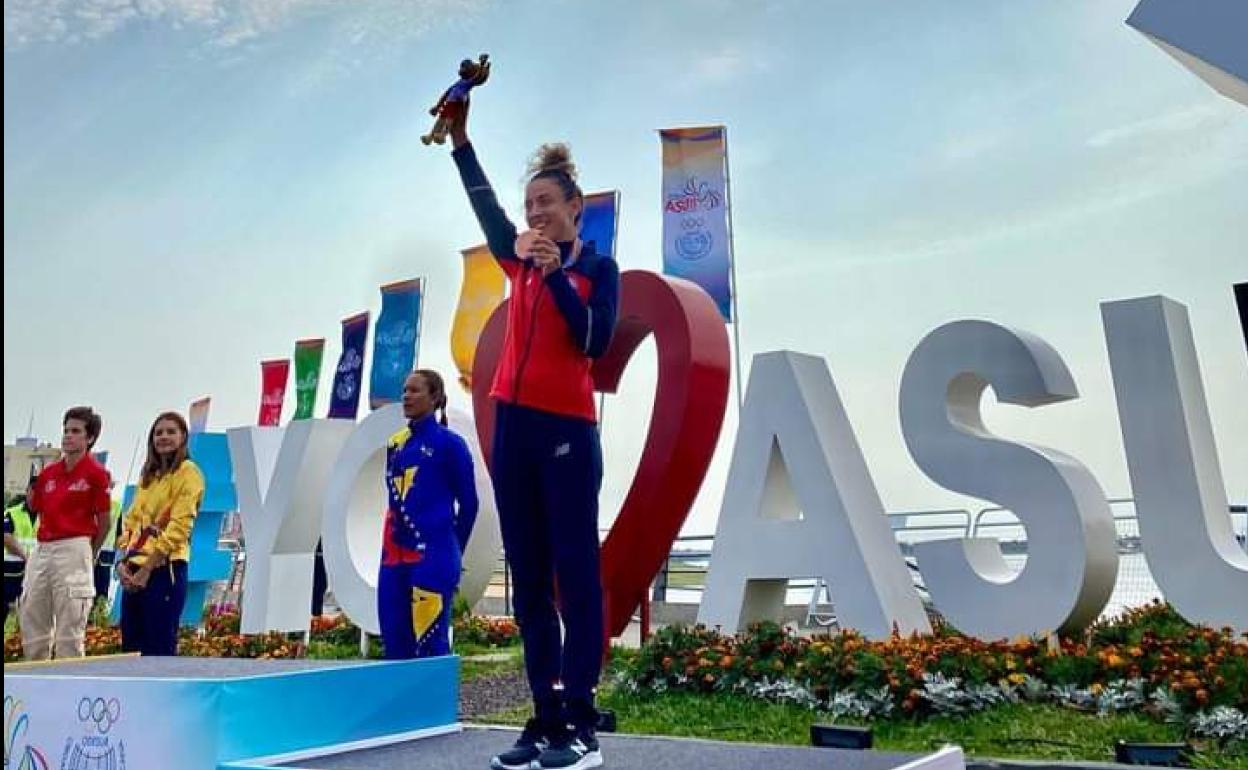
[[500, 233]]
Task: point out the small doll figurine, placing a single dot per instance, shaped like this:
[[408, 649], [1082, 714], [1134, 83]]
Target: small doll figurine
[[450, 107]]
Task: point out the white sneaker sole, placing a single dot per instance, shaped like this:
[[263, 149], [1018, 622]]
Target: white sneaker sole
[[497, 764], [592, 759]]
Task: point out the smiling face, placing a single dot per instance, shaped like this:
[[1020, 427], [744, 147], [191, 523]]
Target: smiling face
[[167, 437], [548, 209]]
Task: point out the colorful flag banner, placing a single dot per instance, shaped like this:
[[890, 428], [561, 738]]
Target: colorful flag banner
[[308, 357], [395, 340], [344, 397], [481, 291], [696, 238], [198, 414], [600, 221], [273, 376]]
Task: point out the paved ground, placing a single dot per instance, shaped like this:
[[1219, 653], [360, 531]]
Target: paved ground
[[491, 694], [472, 749]]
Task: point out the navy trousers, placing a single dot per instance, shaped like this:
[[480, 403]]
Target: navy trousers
[[547, 472], [149, 618], [410, 626]]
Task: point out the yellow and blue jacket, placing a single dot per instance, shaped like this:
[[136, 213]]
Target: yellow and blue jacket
[[166, 510]]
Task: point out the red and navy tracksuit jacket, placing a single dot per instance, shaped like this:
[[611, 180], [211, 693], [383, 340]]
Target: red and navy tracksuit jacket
[[547, 458]]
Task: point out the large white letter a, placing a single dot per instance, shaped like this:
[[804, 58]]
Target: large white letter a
[[829, 523]]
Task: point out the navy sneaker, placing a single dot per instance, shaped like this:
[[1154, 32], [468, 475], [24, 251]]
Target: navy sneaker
[[524, 752], [573, 750]]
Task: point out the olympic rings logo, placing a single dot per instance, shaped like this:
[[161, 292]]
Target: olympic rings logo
[[104, 713]]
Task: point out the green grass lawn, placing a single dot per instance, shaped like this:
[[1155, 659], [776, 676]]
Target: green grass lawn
[[1024, 731], [475, 668], [320, 649], [683, 575]]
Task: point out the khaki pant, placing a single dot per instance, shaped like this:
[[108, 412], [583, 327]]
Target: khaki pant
[[56, 599]]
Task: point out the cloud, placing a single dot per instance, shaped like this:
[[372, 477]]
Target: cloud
[[1185, 120], [964, 147], [726, 65], [1160, 165], [224, 23]]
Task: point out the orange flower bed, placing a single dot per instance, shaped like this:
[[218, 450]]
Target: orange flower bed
[[220, 637], [1121, 664]]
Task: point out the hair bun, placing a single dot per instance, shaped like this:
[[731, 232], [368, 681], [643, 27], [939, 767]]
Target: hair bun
[[556, 156]]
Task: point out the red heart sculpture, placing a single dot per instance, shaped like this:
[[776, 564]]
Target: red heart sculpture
[[689, 403]]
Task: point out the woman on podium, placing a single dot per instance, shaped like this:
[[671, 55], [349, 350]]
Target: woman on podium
[[546, 460]]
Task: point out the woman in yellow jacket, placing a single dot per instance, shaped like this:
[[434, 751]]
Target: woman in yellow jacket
[[155, 541]]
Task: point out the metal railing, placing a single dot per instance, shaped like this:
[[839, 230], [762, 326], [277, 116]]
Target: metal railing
[[685, 567]]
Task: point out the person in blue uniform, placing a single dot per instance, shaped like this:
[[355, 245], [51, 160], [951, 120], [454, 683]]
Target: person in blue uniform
[[432, 507]]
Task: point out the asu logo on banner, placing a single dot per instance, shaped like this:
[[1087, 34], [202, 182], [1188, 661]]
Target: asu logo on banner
[[697, 242]]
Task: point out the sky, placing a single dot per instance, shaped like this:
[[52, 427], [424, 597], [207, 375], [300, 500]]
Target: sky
[[192, 185]]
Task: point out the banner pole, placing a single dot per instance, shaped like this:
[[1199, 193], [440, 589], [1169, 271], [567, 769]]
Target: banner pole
[[133, 456], [732, 273], [420, 319]]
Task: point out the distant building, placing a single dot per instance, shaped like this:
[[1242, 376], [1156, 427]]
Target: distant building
[[25, 456]]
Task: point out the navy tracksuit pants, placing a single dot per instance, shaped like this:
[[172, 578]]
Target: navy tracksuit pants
[[406, 631], [149, 618], [547, 472]]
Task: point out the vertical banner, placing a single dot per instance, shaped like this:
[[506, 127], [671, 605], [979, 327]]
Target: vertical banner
[[481, 291], [395, 341], [600, 221], [273, 376], [308, 356], [344, 397], [198, 414], [696, 238], [1241, 300]]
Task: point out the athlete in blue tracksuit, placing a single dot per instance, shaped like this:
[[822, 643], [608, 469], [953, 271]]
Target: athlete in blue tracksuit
[[428, 475], [546, 461]]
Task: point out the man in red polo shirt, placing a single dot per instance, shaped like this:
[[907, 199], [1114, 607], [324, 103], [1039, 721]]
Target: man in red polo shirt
[[71, 496]]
